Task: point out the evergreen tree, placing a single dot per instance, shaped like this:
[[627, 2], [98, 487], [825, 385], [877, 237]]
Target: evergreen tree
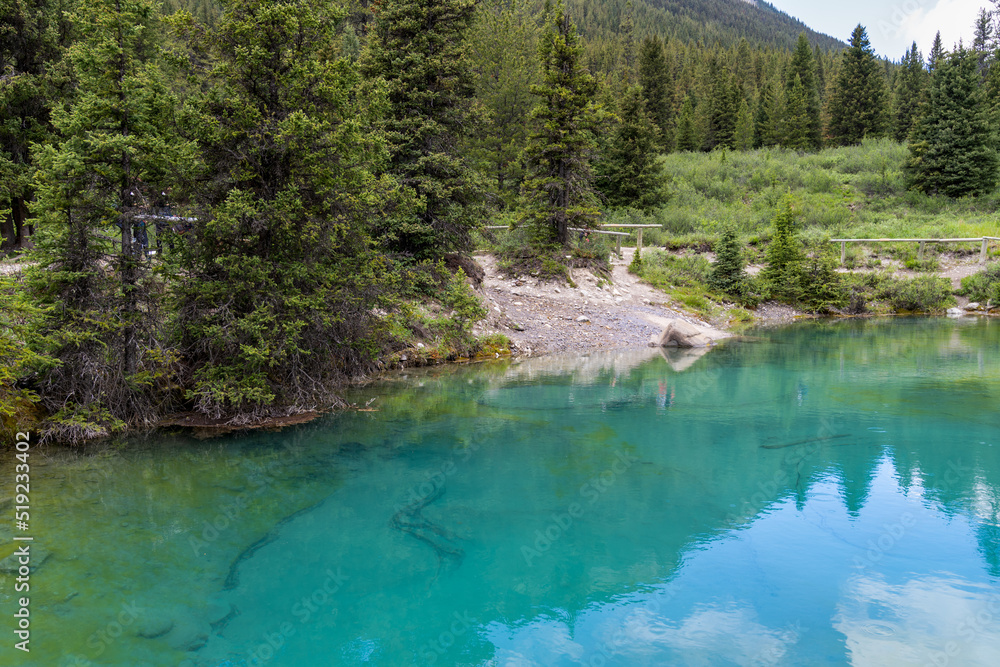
[[937, 54], [114, 151], [910, 89], [820, 76], [982, 41], [782, 272], [806, 125], [744, 139], [953, 149], [560, 189], [797, 134], [503, 49], [280, 283], [658, 88], [725, 108], [688, 138], [629, 175], [32, 33], [769, 126], [627, 32], [417, 47], [727, 274], [858, 105]]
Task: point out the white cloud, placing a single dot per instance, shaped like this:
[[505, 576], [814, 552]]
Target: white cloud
[[919, 20]]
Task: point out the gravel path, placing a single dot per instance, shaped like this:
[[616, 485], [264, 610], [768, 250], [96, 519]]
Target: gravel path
[[542, 317]]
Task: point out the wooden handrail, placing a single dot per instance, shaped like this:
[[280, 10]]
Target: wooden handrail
[[920, 252]]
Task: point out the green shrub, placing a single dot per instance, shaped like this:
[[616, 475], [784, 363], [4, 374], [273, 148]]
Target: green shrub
[[884, 293], [983, 286], [727, 274]]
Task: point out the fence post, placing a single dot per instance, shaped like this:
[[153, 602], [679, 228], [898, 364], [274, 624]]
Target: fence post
[[843, 252], [920, 252], [638, 242], [982, 253]]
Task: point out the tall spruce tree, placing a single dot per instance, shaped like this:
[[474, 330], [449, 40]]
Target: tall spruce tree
[[936, 57], [769, 123], [688, 137], [983, 41], [280, 282], [724, 110], [805, 125], [744, 139], [953, 149], [417, 47], [559, 189], [911, 88], [114, 151], [503, 49], [629, 174], [858, 108], [797, 121], [658, 88], [32, 35]]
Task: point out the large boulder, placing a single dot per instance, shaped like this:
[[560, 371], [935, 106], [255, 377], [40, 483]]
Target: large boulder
[[679, 333]]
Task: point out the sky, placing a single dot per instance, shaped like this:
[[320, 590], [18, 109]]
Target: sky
[[892, 24]]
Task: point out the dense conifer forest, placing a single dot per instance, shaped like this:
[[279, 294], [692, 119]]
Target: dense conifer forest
[[230, 208]]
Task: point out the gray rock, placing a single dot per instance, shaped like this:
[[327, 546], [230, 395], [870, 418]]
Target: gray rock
[[955, 312], [154, 626], [678, 333], [973, 306], [583, 318]]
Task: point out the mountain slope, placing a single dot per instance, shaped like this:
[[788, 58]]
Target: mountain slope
[[722, 22]]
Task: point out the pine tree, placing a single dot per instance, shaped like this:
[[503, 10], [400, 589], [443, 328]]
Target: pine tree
[[658, 88], [769, 124], [503, 50], [727, 274], [797, 134], [953, 149], [629, 175], [114, 151], [280, 284], [782, 271], [937, 54], [858, 105], [725, 108], [559, 188], [744, 139], [910, 90], [32, 35], [805, 126], [982, 41], [688, 138], [627, 32], [417, 47]]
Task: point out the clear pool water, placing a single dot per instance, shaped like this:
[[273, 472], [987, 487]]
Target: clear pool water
[[825, 494]]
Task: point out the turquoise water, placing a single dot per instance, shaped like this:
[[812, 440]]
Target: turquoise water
[[826, 494]]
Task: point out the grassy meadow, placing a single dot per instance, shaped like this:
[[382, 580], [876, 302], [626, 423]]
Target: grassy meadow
[[857, 192]]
